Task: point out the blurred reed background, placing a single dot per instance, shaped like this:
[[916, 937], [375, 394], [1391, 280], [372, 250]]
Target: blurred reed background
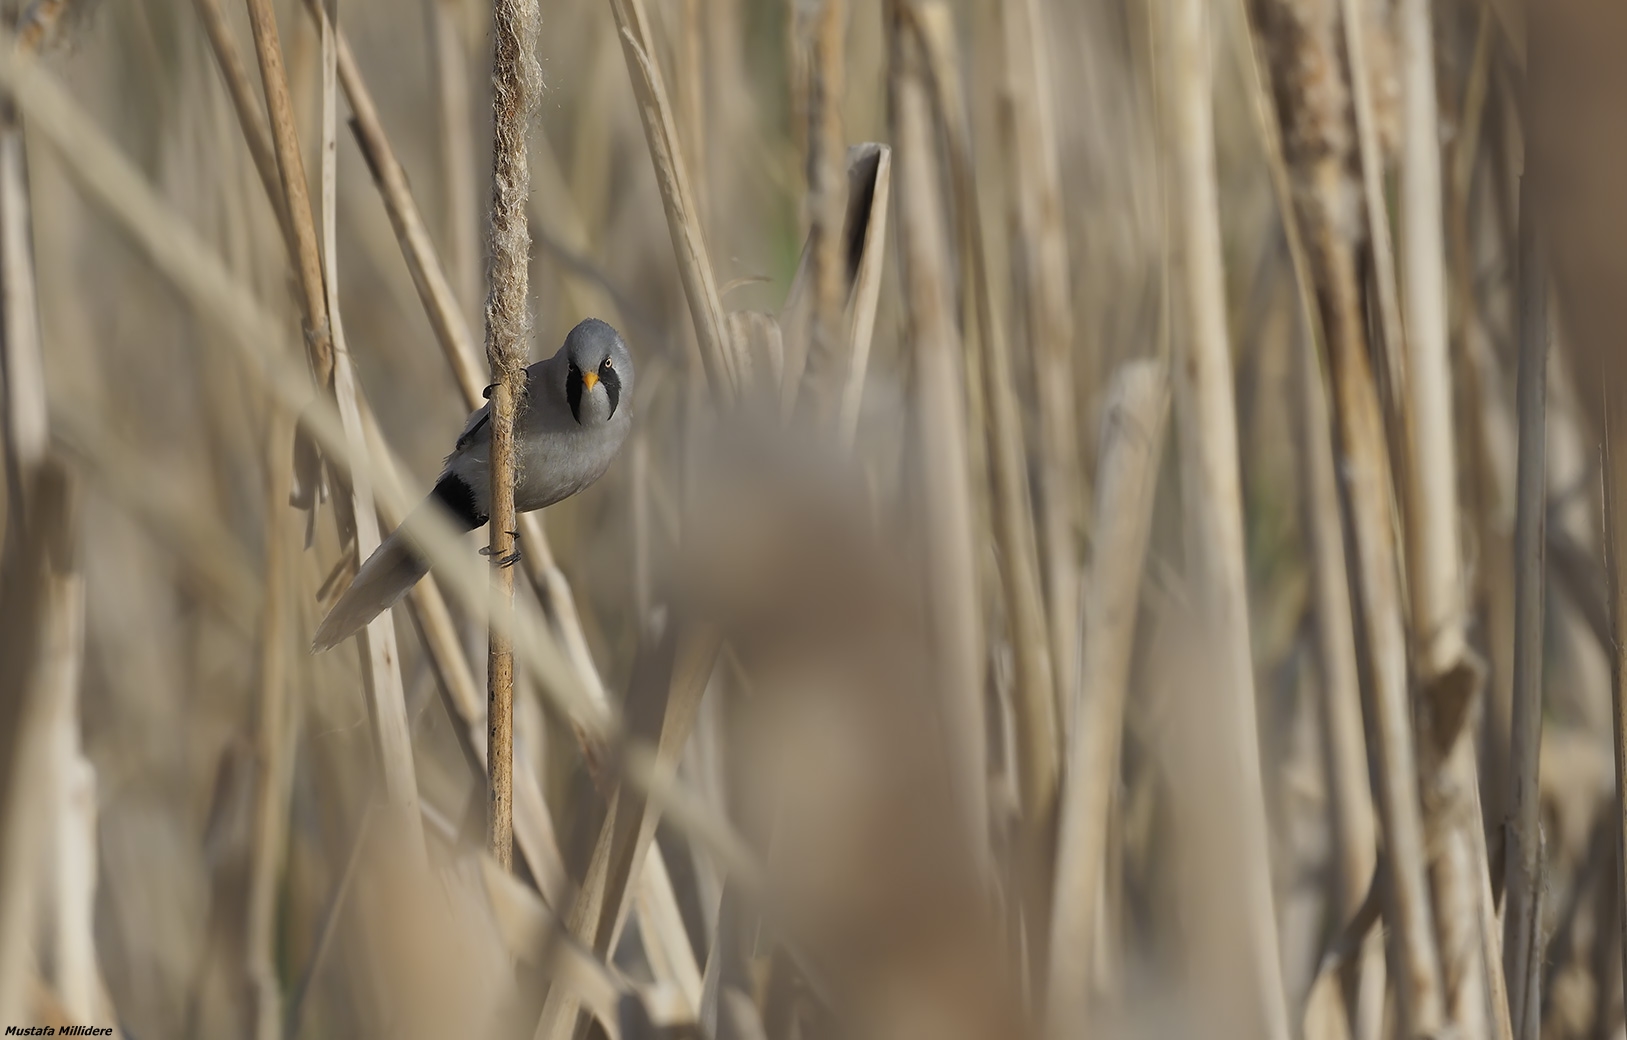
[[1117, 539]]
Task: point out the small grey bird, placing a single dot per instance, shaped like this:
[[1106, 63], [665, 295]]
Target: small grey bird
[[570, 424]]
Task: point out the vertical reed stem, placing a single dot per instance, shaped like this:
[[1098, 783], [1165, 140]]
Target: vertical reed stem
[[1207, 428], [515, 83], [1530, 539]]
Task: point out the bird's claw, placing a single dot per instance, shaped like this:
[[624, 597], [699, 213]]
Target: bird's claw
[[512, 558]]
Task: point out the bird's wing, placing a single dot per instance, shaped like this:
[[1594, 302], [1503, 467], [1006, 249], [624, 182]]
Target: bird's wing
[[476, 433], [475, 428]]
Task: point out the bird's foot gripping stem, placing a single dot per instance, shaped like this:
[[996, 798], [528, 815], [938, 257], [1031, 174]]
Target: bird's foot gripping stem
[[512, 558]]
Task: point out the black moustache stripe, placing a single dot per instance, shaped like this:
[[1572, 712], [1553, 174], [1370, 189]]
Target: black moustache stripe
[[573, 392], [612, 385]]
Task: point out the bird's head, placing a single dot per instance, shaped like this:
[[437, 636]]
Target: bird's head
[[599, 371]]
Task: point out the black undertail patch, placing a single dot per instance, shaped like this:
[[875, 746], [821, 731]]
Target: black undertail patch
[[453, 492]]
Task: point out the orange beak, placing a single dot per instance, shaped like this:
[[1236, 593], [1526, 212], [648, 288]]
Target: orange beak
[[589, 380]]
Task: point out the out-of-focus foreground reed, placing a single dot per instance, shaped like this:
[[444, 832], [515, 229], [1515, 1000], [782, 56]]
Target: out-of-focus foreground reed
[[1081, 568]]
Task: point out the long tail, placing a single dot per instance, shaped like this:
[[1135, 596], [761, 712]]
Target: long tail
[[393, 569]]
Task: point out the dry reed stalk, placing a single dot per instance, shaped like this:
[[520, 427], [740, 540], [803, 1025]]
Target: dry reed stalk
[[1317, 124], [864, 237], [25, 720], [691, 59], [1035, 702], [442, 304], [1433, 558], [1343, 737], [453, 113], [1615, 487], [381, 677], [530, 932], [871, 165], [27, 431], [1344, 741], [66, 900], [515, 86], [937, 440], [452, 333], [678, 199], [109, 179], [214, 567], [827, 349], [69, 912], [273, 748], [247, 106], [1213, 521], [1449, 677], [533, 827], [1126, 488], [1523, 858], [669, 678], [1042, 283], [1370, 162]]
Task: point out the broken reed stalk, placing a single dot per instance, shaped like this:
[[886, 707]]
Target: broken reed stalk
[[1040, 268], [274, 762], [381, 677], [678, 199], [1126, 488], [1524, 881], [1213, 521], [515, 85], [867, 281], [1316, 122], [937, 440], [1034, 701]]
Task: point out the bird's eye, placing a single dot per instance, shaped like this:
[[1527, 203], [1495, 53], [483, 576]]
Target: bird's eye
[[607, 364]]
